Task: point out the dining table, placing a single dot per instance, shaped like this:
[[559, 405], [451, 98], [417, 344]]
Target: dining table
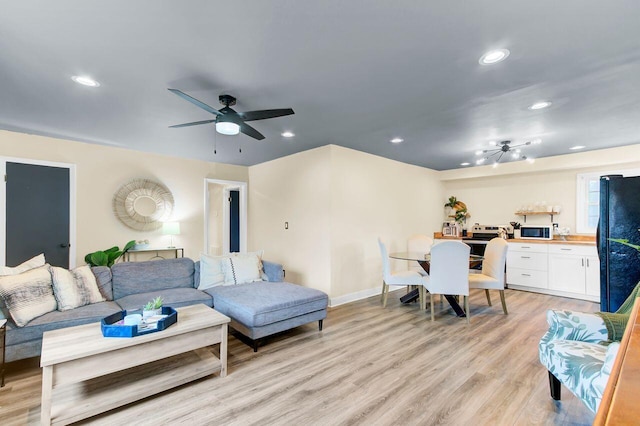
[[424, 260]]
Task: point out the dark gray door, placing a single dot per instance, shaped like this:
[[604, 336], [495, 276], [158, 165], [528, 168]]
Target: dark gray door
[[37, 212], [234, 221]]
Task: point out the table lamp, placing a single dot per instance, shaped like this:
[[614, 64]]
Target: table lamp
[[171, 229]]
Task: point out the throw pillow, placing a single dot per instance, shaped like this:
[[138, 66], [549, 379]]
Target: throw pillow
[[28, 295], [242, 268], [34, 262], [211, 272], [75, 288]]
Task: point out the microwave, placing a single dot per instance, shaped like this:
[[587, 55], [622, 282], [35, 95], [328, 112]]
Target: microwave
[[536, 232]]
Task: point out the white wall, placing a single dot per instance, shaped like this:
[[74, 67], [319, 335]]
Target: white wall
[[101, 170], [215, 219], [375, 197], [493, 195], [294, 189], [338, 202]]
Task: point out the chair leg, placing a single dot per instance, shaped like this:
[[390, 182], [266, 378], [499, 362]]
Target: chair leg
[[486, 292], [554, 386], [385, 293], [421, 298], [432, 315], [382, 294], [466, 309], [504, 303], [319, 325]]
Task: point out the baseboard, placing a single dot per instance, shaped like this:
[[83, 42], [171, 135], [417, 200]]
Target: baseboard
[[358, 295]]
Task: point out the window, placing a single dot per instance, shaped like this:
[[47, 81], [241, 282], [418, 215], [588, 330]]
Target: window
[[588, 198]]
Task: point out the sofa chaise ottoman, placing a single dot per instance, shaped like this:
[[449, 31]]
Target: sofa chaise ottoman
[[261, 309]]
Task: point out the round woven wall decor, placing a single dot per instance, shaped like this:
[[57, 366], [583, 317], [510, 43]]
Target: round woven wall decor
[[143, 205]]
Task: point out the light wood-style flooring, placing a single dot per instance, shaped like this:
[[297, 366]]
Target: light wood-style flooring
[[369, 366]]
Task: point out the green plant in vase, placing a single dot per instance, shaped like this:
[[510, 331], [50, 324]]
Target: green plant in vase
[[153, 307], [107, 257]]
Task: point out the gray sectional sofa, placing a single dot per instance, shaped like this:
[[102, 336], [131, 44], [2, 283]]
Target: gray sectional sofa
[[256, 309]]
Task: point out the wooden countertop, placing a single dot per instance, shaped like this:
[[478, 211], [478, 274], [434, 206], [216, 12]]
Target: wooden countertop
[[619, 404], [586, 240]]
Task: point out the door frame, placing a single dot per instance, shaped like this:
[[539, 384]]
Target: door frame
[[228, 185], [72, 203]]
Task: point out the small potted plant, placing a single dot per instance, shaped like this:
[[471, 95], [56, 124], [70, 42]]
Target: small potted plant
[[153, 307]]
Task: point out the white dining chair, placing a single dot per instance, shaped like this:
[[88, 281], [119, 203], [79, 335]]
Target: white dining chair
[[492, 276], [448, 272], [400, 278], [419, 244]]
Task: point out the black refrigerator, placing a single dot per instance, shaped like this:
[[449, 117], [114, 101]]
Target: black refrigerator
[[619, 218]]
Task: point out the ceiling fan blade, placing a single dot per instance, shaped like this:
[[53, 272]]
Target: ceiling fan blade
[[195, 102], [265, 113], [195, 123], [250, 131]]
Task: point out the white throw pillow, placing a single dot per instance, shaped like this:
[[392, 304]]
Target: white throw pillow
[[34, 262], [211, 272], [28, 295], [242, 268], [75, 288]]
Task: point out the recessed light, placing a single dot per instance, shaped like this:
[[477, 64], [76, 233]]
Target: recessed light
[[465, 164], [540, 105], [85, 81], [577, 147], [494, 56], [288, 134], [480, 161], [536, 141], [530, 160], [396, 140], [479, 152], [493, 143]]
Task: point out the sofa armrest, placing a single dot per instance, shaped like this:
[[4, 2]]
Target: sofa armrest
[[581, 326], [274, 271]]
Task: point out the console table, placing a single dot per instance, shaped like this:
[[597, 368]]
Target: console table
[[177, 252]]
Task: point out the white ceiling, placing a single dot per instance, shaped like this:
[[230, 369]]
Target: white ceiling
[[356, 73]]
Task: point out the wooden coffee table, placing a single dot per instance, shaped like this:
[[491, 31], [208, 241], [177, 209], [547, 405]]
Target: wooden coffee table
[[84, 373]]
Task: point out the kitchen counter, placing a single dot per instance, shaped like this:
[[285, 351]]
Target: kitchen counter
[[585, 240]]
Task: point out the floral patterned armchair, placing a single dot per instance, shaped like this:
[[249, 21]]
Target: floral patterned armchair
[[579, 350]]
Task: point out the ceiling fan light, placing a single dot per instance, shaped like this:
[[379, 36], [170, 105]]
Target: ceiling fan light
[[227, 128], [479, 152]]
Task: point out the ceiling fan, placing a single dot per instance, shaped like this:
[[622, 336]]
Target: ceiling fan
[[228, 121], [505, 147]]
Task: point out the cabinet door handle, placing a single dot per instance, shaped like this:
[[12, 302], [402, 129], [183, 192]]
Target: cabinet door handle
[[525, 247], [587, 263], [566, 249], [583, 261], [525, 257], [525, 275]]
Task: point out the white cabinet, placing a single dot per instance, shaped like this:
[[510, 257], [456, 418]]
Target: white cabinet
[[527, 265], [569, 270], [574, 269]]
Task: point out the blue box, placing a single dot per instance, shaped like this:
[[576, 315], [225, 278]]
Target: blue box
[[111, 329]]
